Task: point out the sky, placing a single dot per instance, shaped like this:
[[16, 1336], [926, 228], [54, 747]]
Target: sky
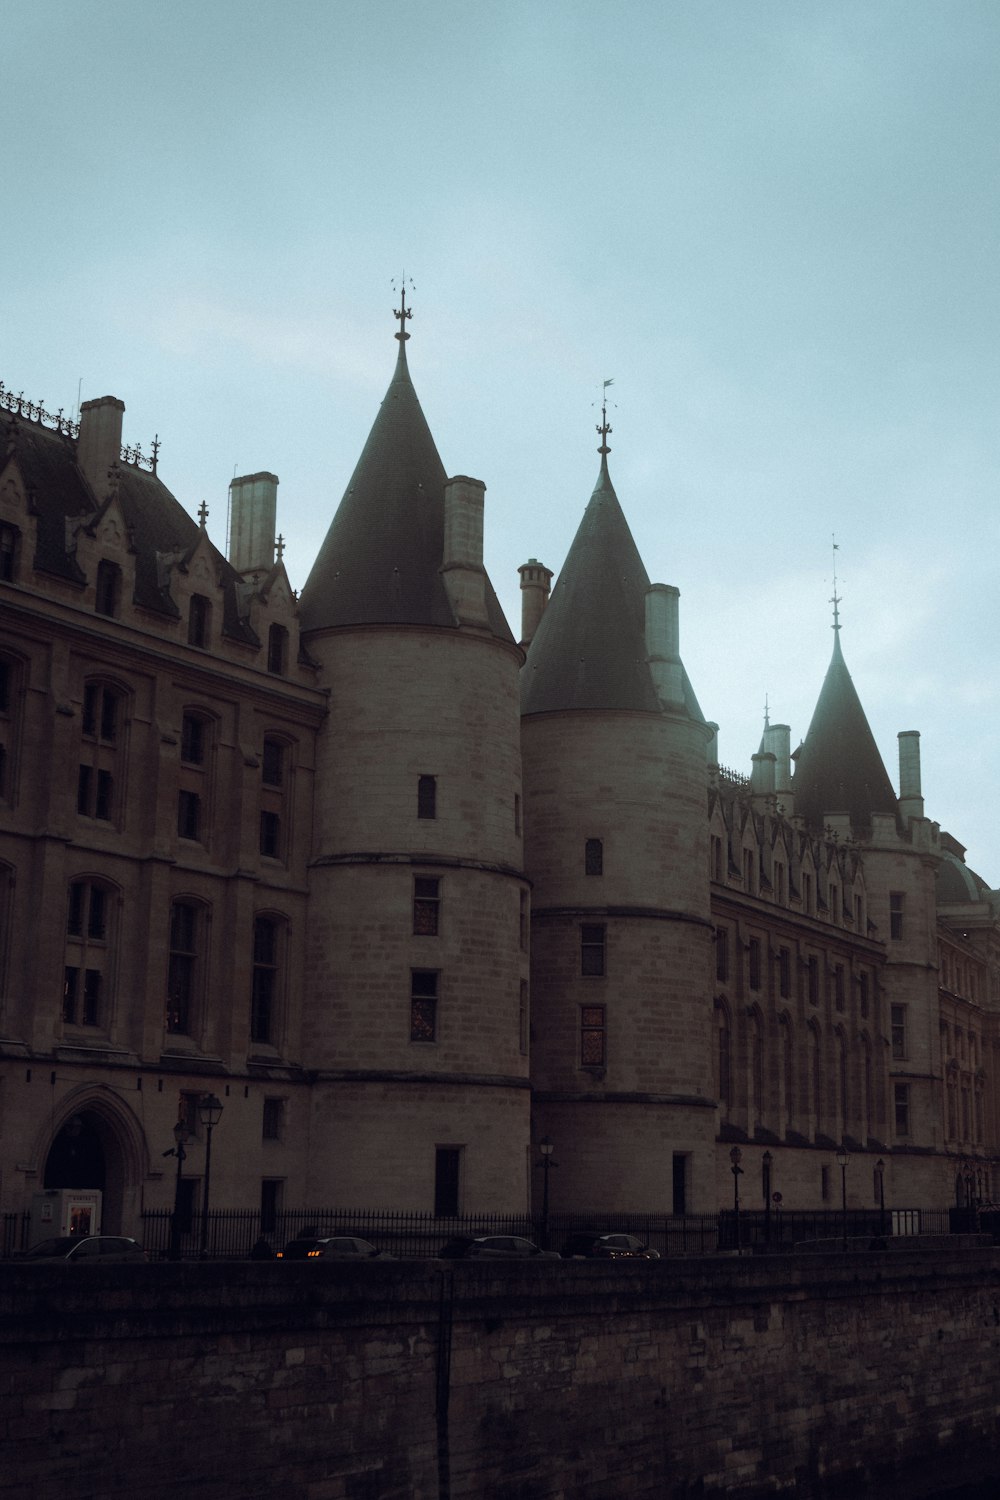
[[773, 225]]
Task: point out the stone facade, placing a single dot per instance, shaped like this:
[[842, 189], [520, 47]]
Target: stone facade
[[408, 895]]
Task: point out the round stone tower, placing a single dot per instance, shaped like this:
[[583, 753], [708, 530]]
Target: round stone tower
[[415, 1014], [616, 846]]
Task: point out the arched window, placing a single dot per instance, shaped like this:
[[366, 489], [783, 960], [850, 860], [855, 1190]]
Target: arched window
[[10, 548], [88, 972], [816, 1075], [723, 1056], [99, 779], [266, 986], [275, 824], [11, 677], [787, 1071], [186, 966], [195, 782]]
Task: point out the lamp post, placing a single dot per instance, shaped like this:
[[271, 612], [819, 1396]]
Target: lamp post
[[209, 1113], [767, 1161], [842, 1160], [735, 1157], [181, 1134], [880, 1175], [546, 1148]]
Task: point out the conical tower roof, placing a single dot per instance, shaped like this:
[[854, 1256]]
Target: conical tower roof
[[838, 766], [380, 561], [589, 651]]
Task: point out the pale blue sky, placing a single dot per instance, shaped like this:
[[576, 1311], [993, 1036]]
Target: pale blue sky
[[774, 224]]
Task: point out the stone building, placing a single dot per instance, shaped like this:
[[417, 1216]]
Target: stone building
[[408, 895]]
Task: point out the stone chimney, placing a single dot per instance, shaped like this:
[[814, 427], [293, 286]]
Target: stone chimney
[[100, 442], [536, 585], [663, 643], [911, 802], [762, 777], [462, 564], [253, 515], [778, 742]]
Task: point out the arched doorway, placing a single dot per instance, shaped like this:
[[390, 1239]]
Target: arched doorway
[[87, 1153]]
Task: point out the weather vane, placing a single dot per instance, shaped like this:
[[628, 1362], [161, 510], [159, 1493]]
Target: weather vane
[[402, 312], [835, 600], [604, 428]]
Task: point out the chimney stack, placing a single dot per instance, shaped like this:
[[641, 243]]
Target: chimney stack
[[100, 442], [536, 584], [462, 564], [778, 741], [663, 642], [253, 518], [911, 802]]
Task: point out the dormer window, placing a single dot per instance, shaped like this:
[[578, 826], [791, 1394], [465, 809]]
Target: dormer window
[[199, 619], [108, 590], [9, 539], [277, 650]]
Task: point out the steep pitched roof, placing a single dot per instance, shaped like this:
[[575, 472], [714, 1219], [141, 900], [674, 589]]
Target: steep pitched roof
[[380, 561], [157, 523], [589, 650], [838, 766]]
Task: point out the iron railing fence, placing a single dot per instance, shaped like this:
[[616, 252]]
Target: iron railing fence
[[232, 1233]]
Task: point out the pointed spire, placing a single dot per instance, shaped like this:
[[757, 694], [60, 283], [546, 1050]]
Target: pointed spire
[[839, 768]]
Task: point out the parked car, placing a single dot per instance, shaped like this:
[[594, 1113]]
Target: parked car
[[103, 1249], [494, 1247], [596, 1246], [330, 1247]]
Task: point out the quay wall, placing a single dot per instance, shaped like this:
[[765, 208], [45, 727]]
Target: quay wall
[[816, 1376]]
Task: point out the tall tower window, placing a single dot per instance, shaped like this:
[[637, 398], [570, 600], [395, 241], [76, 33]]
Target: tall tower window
[[901, 1101], [896, 907], [592, 949], [593, 1036], [447, 1180], [784, 973], [753, 963], [522, 1018], [423, 1005], [103, 712], [426, 796], [426, 905], [88, 954], [593, 857], [9, 539], [721, 954], [897, 1021]]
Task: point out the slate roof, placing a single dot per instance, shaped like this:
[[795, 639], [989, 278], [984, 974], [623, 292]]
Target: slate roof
[[381, 559], [956, 883], [589, 650], [838, 767], [156, 521]]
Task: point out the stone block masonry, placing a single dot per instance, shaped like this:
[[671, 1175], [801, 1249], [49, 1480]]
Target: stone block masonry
[[824, 1375]]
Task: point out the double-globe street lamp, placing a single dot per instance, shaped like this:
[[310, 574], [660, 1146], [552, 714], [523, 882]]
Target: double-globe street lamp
[[735, 1157], [546, 1148], [209, 1113]]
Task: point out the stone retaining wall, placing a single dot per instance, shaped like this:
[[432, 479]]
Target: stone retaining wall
[[815, 1376]]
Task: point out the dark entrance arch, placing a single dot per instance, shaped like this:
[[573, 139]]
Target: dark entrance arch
[[86, 1153]]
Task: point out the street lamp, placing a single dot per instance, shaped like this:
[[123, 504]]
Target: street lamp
[[209, 1113], [842, 1160], [735, 1157], [181, 1135], [880, 1175], [546, 1148], [767, 1161]]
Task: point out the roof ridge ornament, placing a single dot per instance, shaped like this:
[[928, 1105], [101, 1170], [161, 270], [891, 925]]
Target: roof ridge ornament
[[402, 312], [604, 427], [835, 597]]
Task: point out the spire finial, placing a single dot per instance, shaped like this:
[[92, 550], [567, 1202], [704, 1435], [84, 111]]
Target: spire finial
[[203, 514], [835, 599], [604, 428], [279, 546], [767, 712], [402, 312]]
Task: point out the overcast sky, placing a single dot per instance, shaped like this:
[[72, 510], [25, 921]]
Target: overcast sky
[[774, 225]]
